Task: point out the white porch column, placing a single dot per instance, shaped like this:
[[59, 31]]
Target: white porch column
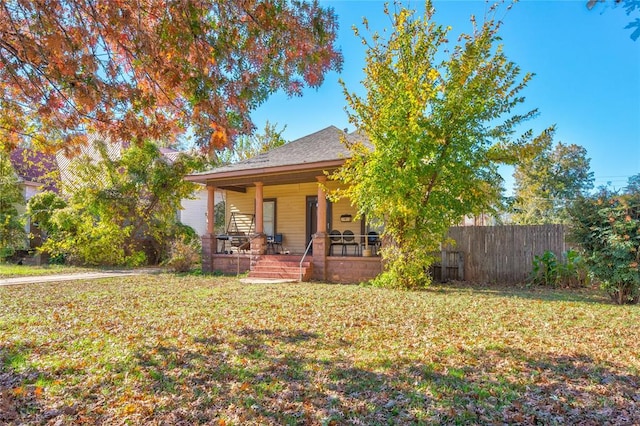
[[211, 201], [259, 208]]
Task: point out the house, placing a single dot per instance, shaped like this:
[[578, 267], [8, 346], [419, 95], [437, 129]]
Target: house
[[278, 216]]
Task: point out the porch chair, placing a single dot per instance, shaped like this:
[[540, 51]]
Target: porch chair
[[373, 241], [349, 240], [274, 241], [335, 239]]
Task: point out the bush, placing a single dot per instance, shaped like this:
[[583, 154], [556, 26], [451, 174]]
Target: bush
[[184, 254], [570, 272], [607, 226]]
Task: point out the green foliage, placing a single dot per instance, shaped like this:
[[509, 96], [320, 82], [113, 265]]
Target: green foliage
[[549, 271], [219, 211], [546, 183], [545, 269], [40, 207], [248, 146], [607, 226], [121, 211], [12, 234], [435, 123]]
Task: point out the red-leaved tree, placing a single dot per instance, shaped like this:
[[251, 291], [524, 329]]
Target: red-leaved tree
[[136, 69]]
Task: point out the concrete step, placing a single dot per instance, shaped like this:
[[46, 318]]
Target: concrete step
[[270, 263], [279, 275]]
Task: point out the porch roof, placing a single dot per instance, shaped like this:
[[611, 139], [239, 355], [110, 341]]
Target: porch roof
[[298, 161]]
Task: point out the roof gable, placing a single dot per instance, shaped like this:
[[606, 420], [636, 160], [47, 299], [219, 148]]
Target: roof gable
[[320, 147]]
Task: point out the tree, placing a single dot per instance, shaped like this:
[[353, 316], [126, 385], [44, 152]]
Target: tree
[[12, 234], [633, 185], [249, 146], [136, 70], [630, 6], [120, 210], [40, 208], [434, 131], [607, 227], [547, 183]]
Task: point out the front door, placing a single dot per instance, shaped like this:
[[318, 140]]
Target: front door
[[312, 218]]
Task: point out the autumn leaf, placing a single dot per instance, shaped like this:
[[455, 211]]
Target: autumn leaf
[[116, 68]]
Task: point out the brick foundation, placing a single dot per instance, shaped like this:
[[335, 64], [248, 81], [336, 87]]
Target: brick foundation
[[231, 263], [208, 248], [352, 269], [320, 257]]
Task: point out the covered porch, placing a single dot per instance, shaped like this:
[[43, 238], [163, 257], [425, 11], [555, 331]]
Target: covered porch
[[290, 230], [277, 211]]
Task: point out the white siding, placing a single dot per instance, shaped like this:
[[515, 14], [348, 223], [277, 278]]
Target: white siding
[[194, 212]]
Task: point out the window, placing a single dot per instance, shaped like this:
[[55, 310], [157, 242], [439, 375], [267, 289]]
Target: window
[[269, 216]]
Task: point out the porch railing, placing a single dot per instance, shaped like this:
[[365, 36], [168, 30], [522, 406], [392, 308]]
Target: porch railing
[[357, 241], [303, 256]]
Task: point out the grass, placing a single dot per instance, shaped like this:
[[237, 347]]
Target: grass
[[8, 270], [168, 349]]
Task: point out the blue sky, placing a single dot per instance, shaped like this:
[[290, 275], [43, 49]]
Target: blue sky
[[587, 79]]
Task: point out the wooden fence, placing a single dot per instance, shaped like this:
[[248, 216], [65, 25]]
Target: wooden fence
[[503, 254]]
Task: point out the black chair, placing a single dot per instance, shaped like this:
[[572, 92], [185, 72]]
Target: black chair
[[373, 241], [349, 240], [273, 242], [277, 242], [335, 239]]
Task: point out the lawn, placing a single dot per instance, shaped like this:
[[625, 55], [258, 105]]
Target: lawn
[[8, 270], [165, 349]]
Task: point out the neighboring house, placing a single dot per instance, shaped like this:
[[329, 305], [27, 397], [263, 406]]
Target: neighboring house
[[36, 172], [276, 203]]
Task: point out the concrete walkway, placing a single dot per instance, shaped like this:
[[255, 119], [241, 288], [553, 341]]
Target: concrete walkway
[[266, 281], [40, 279]]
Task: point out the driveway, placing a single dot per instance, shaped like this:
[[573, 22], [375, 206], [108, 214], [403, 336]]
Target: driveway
[[75, 276]]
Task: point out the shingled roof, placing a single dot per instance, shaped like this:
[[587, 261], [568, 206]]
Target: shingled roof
[[322, 150]]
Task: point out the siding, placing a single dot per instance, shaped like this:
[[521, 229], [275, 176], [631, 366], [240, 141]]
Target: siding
[[340, 208], [194, 212], [291, 206]]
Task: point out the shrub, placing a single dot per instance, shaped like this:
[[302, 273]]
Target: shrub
[[571, 271], [607, 226], [545, 269], [184, 254]]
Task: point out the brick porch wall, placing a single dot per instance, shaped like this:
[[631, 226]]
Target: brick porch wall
[[225, 263], [319, 257], [228, 263], [352, 269], [208, 248]]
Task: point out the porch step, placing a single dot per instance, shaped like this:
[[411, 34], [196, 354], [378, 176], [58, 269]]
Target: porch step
[[281, 267]]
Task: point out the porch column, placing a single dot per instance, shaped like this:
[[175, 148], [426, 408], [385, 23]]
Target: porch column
[[258, 242], [209, 240], [320, 238], [259, 212], [211, 202]]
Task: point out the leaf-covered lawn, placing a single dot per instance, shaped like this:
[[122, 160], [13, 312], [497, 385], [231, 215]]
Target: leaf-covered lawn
[[8, 270], [201, 350]]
